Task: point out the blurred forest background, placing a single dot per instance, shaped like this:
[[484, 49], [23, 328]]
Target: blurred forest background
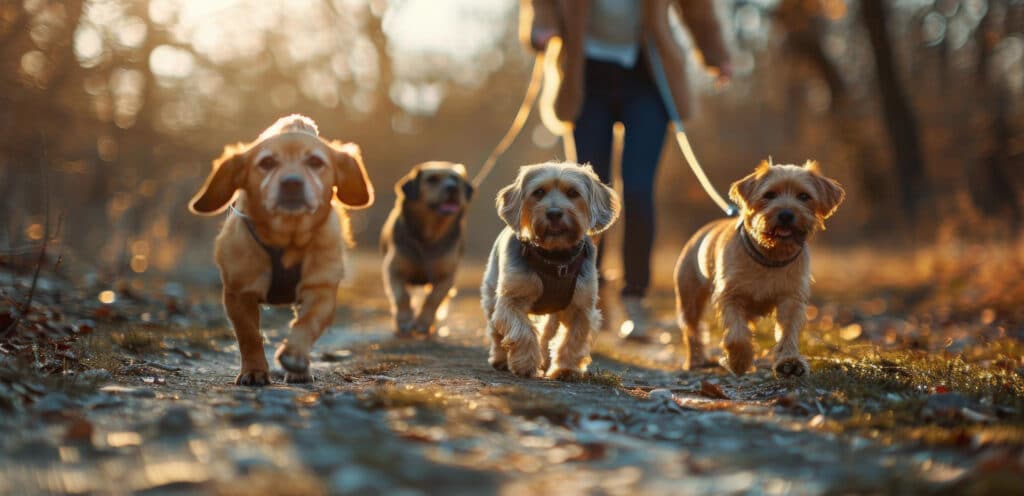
[[111, 111]]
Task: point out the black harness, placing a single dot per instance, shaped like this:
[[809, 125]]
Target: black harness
[[558, 272], [283, 280], [760, 258], [409, 241]]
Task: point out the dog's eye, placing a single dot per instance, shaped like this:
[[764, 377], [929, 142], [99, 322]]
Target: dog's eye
[[771, 195], [572, 193], [804, 197], [267, 163], [315, 162], [538, 193]]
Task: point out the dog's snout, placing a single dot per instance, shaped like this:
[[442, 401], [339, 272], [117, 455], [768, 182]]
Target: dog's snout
[[451, 188], [554, 214], [292, 185], [786, 217]]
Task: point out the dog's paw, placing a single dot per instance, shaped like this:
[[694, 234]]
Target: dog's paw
[[697, 359], [739, 357], [526, 372], [559, 373], [253, 377], [791, 367], [298, 377], [292, 360], [499, 363]]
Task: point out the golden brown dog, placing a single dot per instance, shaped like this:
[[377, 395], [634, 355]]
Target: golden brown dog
[[749, 268], [543, 263], [283, 241], [422, 241]]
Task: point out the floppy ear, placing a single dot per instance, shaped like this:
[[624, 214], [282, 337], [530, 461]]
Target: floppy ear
[[510, 204], [830, 193], [408, 186], [221, 184], [742, 191], [352, 186], [603, 201], [467, 186]]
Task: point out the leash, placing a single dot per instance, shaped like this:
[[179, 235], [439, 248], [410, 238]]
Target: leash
[[661, 81], [540, 67], [546, 63]]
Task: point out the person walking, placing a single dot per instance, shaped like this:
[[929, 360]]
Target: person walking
[[620, 62]]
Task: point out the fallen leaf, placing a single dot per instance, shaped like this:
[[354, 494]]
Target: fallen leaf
[[713, 391]]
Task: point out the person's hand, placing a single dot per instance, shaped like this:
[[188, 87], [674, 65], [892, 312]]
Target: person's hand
[[724, 74], [540, 38]]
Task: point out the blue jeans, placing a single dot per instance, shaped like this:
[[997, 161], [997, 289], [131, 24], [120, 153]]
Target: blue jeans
[[615, 94]]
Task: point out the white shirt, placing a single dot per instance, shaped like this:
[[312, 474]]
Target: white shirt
[[613, 32]]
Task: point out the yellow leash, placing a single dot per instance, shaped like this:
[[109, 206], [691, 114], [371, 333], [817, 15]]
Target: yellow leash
[[545, 61]]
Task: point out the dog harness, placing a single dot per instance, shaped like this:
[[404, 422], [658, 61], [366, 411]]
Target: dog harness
[[751, 249], [283, 280], [411, 244], [558, 272]]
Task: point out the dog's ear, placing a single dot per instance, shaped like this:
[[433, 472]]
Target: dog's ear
[[603, 201], [408, 186], [220, 186], [510, 203], [742, 191], [830, 193], [352, 186], [467, 185]]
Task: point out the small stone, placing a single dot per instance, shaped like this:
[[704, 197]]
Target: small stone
[[139, 392], [249, 461], [660, 394], [96, 375], [355, 479], [54, 403], [176, 421]]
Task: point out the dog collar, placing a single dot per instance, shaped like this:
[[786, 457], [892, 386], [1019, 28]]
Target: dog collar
[[284, 281], [558, 273], [760, 258], [563, 262]]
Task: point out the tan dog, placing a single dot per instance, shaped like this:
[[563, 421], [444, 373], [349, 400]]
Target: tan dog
[[422, 241], [749, 268], [283, 242], [543, 263]]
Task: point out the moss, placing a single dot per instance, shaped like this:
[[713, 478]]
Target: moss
[[599, 377]]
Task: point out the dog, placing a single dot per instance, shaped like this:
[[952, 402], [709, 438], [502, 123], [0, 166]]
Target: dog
[[543, 263], [422, 241], [748, 269], [284, 240]]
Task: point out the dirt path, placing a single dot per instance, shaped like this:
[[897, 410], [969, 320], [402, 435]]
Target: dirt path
[[412, 417]]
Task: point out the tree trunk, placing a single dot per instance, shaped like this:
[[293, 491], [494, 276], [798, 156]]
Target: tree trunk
[[900, 121]]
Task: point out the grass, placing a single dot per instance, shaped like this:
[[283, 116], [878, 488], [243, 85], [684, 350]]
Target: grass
[[597, 377], [138, 341], [206, 338], [390, 397], [889, 397]]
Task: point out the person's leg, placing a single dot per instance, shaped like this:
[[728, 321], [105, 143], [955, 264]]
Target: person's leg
[[593, 128], [645, 120]]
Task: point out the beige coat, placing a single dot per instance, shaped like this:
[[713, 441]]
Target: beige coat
[[563, 89]]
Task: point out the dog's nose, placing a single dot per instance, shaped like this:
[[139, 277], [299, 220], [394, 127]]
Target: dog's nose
[[786, 217], [292, 185], [451, 188], [554, 214]]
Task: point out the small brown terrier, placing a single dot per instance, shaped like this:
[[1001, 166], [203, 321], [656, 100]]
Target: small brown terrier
[[423, 240], [543, 263], [284, 241], [749, 268]]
